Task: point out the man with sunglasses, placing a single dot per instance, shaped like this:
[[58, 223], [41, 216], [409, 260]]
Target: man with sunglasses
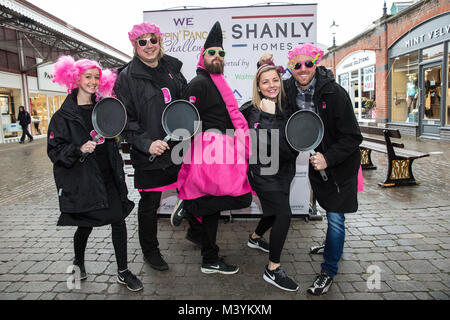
[[146, 85], [314, 88], [213, 184]]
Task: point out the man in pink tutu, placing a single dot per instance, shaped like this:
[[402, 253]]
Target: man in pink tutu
[[213, 177]]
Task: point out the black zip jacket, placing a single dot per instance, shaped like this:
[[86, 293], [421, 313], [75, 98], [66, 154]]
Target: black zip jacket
[[80, 186], [342, 137], [142, 96], [282, 179]]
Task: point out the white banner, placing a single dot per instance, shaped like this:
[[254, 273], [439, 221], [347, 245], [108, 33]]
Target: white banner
[[248, 32]]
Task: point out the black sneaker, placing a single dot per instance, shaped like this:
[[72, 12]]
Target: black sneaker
[[178, 214], [156, 261], [321, 285], [80, 265], [280, 279], [317, 249], [130, 280], [259, 243], [219, 266]]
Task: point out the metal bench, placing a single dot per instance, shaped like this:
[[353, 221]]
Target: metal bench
[[400, 160]]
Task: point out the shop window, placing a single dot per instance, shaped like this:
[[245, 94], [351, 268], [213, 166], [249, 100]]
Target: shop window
[[368, 105], [447, 113], [42, 109], [433, 52], [404, 88]]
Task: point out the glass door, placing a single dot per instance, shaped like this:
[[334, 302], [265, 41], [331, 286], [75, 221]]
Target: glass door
[[430, 106]]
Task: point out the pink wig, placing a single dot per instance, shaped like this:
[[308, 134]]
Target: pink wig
[[143, 28], [306, 49], [67, 72]]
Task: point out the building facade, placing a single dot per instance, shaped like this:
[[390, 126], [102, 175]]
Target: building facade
[[397, 73], [30, 41]]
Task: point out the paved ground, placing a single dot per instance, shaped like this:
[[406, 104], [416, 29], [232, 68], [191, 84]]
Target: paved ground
[[402, 231]]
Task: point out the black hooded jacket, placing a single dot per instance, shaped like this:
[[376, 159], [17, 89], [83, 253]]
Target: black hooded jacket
[[340, 144], [80, 186], [141, 94]]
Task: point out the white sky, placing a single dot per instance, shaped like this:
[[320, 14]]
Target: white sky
[[110, 20]]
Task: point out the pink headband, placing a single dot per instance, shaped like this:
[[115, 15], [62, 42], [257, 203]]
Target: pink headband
[[143, 28], [306, 49]]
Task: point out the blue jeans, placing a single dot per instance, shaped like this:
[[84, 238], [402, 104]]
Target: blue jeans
[[334, 243]]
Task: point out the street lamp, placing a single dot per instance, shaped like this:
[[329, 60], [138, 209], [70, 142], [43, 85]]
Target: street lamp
[[333, 28]]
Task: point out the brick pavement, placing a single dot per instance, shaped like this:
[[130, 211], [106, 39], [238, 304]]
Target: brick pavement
[[402, 231]]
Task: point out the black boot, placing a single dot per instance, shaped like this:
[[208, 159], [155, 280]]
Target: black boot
[[83, 274]]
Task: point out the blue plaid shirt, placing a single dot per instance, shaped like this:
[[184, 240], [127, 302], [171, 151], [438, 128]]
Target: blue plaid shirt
[[305, 98]]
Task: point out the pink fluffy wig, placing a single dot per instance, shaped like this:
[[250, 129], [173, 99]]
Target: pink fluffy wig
[[67, 72], [143, 28], [306, 49]]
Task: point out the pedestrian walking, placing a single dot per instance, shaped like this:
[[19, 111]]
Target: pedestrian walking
[[36, 121], [92, 193], [146, 86], [314, 88], [268, 111], [204, 194], [24, 120]]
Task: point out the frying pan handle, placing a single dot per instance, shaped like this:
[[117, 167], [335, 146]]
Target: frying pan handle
[[322, 172], [153, 156], [85, 155]]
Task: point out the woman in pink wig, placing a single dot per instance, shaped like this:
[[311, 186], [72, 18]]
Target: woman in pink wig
[[93, 193]]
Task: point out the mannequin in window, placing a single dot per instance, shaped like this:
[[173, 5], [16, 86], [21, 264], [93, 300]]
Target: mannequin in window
[[411, 93]]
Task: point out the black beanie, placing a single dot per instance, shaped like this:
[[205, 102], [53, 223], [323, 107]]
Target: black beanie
[[215, 38]]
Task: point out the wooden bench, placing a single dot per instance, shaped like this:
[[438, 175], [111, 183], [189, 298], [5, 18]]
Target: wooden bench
[[399, 159]]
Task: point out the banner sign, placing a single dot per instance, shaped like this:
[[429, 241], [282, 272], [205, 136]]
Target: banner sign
[[247, 32]]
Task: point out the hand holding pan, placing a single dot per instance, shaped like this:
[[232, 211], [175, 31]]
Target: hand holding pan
[[109, 118], [304, 132], [179, 117]]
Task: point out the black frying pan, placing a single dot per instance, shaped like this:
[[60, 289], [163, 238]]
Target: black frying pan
[[180, 121], [304, 132], [109, 118]]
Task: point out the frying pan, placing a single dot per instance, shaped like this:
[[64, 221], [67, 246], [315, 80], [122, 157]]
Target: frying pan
[[304, 132], [180, 121], [109, 118]]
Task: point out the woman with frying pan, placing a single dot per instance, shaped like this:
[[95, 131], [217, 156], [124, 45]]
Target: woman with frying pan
[[266, 112], [91, 193]]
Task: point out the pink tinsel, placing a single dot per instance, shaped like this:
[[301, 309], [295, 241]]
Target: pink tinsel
[[143, 28], [306, 49], [67, 72]]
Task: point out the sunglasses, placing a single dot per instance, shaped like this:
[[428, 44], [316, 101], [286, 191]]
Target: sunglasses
[[143, 42], [308, 64], [213, 52]]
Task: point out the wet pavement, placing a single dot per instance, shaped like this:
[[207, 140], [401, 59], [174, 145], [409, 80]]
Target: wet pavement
[[402, 232]]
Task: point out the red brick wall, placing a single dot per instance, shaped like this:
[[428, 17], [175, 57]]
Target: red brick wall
[[379, 40]]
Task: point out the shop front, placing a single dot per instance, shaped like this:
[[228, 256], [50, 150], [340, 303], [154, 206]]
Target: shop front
[[356, 74], [419, 79]]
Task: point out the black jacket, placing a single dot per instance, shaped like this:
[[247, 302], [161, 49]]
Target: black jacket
[[282, 179], [142, 96], [24, 118], [340, 144], [80, 185]]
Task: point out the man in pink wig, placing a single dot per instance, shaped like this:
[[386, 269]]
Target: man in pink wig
[[213, 183], [146, 86], [313, 87]]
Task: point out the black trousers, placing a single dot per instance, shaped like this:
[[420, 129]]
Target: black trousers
[[209, 209], [25, 132], [277, 215], [147, 222], [119, 239]]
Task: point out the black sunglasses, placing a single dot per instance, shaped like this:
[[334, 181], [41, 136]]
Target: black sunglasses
[[308, 64], [143, 42], [212, 52]]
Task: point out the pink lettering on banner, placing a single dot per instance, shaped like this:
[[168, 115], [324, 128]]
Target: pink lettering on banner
[[167, 96], [94, 134], [192, 99]]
